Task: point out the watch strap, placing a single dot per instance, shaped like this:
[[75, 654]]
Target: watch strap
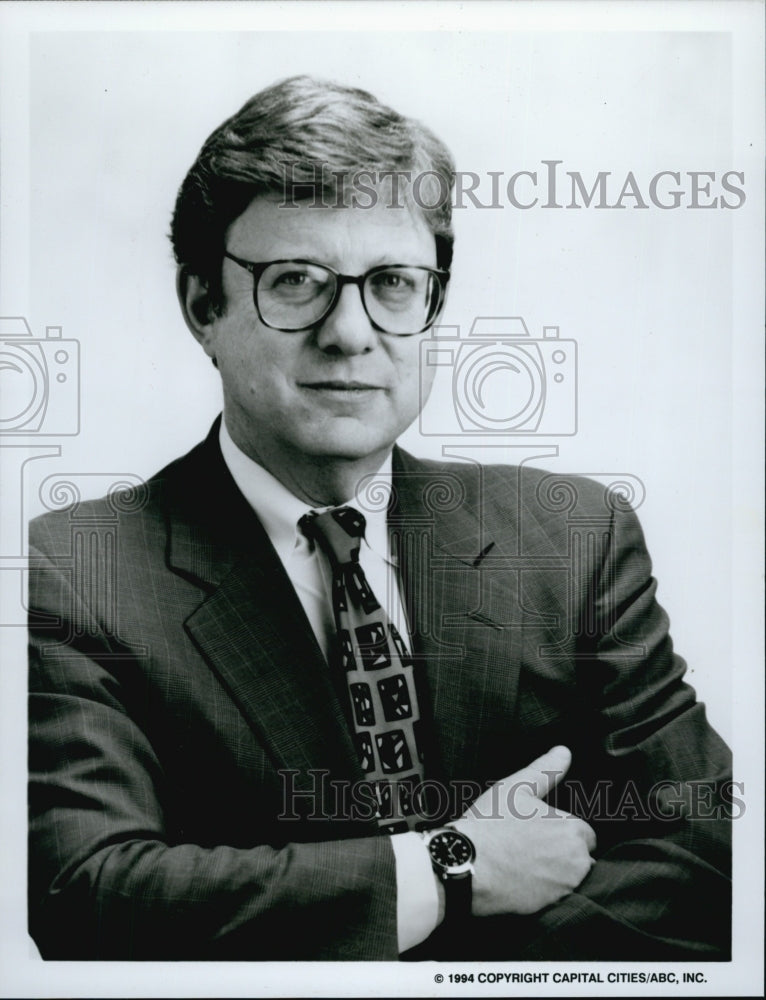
[[458, 897]]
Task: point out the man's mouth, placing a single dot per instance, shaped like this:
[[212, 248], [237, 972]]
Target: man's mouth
[[340, 385]]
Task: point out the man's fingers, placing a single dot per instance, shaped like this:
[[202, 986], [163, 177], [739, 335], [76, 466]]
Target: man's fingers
[[535, 780], [543, 774]]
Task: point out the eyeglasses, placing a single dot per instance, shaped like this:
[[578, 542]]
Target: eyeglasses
[[295, 295]]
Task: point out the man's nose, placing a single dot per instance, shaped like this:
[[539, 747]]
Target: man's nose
[[347, 330]]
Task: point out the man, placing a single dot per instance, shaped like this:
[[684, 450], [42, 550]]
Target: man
[[310, 697]]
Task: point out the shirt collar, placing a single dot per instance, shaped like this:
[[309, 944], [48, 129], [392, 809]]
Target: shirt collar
[[279, 510]]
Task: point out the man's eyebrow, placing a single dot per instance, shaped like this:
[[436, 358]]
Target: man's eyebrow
[[401, 258], [328, 260]]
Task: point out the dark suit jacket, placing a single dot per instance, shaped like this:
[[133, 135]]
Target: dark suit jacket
[[178, 695]]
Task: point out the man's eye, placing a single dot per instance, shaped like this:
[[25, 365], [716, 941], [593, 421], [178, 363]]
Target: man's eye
[[393, 281], [292, 278], [295, 284]]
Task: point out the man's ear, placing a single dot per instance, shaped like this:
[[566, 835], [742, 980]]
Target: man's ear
[[194, 299]]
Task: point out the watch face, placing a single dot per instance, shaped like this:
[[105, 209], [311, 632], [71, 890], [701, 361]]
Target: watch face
[[451, 850]]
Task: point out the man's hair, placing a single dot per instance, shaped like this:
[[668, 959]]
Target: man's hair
[[303, 138]]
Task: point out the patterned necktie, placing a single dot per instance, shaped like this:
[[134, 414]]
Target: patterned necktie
[[379, 673]]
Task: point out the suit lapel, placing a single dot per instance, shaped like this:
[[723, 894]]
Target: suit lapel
[[462, 605], [251, 627], [465, 614]]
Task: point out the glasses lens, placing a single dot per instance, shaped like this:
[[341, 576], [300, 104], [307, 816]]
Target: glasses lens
[[402, 299], [293, 296]]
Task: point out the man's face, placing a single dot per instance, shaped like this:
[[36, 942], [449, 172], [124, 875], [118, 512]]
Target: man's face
[[341, 390]]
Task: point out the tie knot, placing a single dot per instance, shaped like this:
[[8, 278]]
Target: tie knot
[[337, 531]]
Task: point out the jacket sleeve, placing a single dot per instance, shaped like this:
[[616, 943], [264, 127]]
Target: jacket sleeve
[[105, 881], [661, 799]]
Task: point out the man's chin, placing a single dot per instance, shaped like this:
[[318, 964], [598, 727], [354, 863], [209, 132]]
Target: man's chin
[[346, 439], [351, 446], [344, 454]]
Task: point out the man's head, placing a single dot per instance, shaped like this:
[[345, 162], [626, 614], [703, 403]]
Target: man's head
[[302, 140], [308, 293]]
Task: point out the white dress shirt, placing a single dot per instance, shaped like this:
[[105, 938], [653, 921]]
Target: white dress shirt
[[279, 511]]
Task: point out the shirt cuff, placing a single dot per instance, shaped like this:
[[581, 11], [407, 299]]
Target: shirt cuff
[[417, 893]]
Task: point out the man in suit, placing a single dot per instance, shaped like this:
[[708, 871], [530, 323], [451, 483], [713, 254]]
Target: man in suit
[[465, 735]]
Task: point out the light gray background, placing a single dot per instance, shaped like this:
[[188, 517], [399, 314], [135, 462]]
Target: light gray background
[[116, 120], [106, 123]]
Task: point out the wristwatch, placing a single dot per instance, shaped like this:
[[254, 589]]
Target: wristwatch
[[452, 857]]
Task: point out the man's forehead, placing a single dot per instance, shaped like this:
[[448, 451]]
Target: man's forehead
[[273, 227]]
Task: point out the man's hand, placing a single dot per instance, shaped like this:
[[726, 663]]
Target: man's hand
[[528, 854]]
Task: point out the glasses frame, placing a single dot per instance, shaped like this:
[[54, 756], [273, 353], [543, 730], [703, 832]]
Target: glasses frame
[[256, 269]]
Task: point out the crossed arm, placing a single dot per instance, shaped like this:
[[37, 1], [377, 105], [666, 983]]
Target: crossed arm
[[108, 881]]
